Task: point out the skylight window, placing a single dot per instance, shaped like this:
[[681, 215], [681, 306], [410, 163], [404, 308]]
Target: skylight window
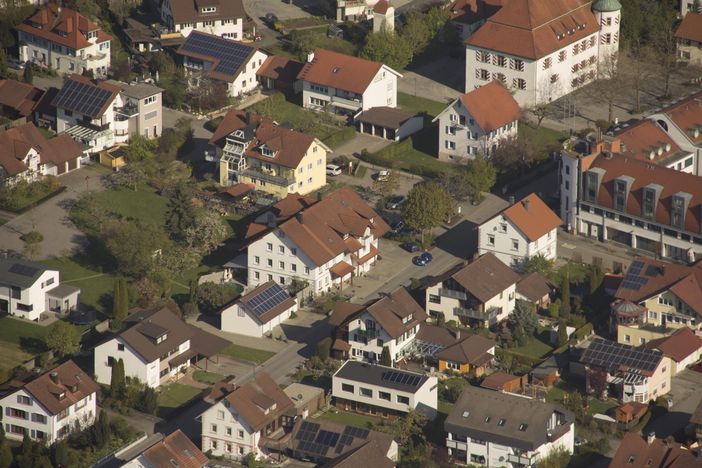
[[501, 422], [466, 414], [487, 419], [523, 427]]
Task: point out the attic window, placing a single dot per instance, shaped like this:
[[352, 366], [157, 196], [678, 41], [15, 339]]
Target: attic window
[[239, 134], [174, 462], [62, 395], [523, 427], [501, 422], [161, 338], [266, 151], [336, 69], [466, 414], [487, 419], [209, 9]]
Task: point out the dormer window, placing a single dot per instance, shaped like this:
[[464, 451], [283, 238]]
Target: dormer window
[[408, 318], [677, 212], [161, 338], [61, 395], [620, 195], [266, 151], [239, 134], [209, 9]]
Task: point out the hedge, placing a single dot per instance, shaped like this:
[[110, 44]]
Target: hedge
[[35, 202], [342, 136], [520, 358], [583, 331]]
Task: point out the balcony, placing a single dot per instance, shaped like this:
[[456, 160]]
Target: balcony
[[282, 180], [367, 334], [453, 294], [476, 314], [126, 112], [352, 104], [519, 459]]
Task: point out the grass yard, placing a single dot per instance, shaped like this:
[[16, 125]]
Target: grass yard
[[556, 394], [352, 419], [95, 287], [205, 377], [536, 349], [3, 221], [600, 406], [543, 137], [418, 104], [143, 204], [259, 356], [19, 341], [173, 396]]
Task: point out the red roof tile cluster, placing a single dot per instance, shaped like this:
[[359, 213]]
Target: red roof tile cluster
[[532, 216], [635, 450], [691, 27], [491, 106], [260, 401], [16, 142], [679, 345], [687, 116], [473, 11], [189, 11], [536, 28], [62, 26], [61, 387], [177, 450], [280, 68], [21, 97], [647, 141]]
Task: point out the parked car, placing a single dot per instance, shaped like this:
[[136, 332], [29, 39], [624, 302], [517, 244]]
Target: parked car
[[271, 18], [382, 176], [423, 259], [333, 170], [395, 202], [397, 226], [578, 441], [410, 247]]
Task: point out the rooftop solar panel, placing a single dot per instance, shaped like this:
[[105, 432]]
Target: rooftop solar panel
[[327, 438], [83, 98], [23, 270], [612, 356], [230, 54], [267, 299]]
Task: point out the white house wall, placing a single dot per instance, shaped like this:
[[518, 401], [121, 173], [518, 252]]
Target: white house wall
[[134, 364], [226, 433], [235, 319], [504, 233]]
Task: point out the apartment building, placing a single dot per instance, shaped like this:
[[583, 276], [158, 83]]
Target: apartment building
[[345, 84], [259, 312], [64, 40], [477, 123], [224, 18], [544, 49], [525, 230], [362, 331], [683, 347], [239, 423], [143, 104], [383, 391], [50, 406], [324, 243], [233, 63], [255, 150], [632, 374], [155, 347], [468, 15], [29, 289], [481, 293], [495, 429]]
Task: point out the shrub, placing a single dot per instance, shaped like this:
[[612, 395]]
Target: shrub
[[342, 136], [324, 348]]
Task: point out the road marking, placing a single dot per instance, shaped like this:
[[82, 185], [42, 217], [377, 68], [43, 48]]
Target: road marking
[[568, 246]]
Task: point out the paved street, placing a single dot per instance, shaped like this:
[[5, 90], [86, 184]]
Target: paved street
[[685, 390]]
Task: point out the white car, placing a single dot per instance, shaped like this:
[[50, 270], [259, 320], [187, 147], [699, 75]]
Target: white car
[[333, 170], [382, 176]]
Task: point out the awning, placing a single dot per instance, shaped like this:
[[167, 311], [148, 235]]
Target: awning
[[341, 269], [369, 256], [237, 191], [352, 244], [182, 358], [62, 291], [341, 345]]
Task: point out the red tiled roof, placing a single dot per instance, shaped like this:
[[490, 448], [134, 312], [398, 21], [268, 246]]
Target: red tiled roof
[[687, 116], [16, 142], [176, 447], [22, 97], [341, 71], [473, 11], [381, 7], [492, 106], [691, 27], [186, 11], [260, 401], [473, 350], [341, 269], [391, 309], [635, 450], [531, 28], [532, 216], [239, 190], [72, 382], [498, 380], [645, 139], [679, 345], [62, 26], [266, 316], [277, 67]]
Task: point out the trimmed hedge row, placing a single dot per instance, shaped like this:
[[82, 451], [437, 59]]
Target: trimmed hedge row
[[35, 203], [342, 136]]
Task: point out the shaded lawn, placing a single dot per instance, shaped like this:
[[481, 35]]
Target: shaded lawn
[[19, 341], [95, 287], [143, 204], [351, 419], [600, 406], [244, 353], [419, 157], [205, 377], [542, 137], [173, 396], [420, 105], [536, 349], [560, 388], [11, 356]]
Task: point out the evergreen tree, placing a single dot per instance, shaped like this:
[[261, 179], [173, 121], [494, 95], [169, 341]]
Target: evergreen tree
[[193, 291], [180, 213], [28, 74], [5, 456], [27, 456], [118, 384], [596, 278], [60, 454], [565, 297], [101, 430], [562, 333], [116, 304], [124, 300], [147, 401], [3, 63], [385, 357]]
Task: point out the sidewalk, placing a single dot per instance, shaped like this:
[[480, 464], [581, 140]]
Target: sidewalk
[[582, 249]]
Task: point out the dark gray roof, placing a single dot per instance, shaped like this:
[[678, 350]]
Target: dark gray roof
[[613, 357], [20, 273], [505, 419], [62, 290], [381, 376], [137, 90]]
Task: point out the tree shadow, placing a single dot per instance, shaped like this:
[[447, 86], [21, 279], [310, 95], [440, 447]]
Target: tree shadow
[[94, 255], [460, 241], [32, 345]]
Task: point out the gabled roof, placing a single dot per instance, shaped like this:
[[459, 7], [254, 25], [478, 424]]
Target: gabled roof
[[259, 401], [498, 380], [473, 11], [85, 96], [491, 106], [266, 301], [534, 286], [62, 26], [277, 214], [228, 57], [16, 142], [391, 309], [280, 68], [485, 277], [645, 140], [369, 453], [679, 345], [635, 450], [616, 357], [61, 387], [532, 217], [388, 117], [22, 97], [341, 71], [175, 447], [687, 116], [473, 350], [691, 27], [190, 11], [535, 28]]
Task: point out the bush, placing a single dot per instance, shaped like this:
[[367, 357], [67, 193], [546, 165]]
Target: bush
[[342, 136], [324, 348], [583, 331]]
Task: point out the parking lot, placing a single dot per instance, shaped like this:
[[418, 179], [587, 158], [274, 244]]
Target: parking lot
[[686, 395]]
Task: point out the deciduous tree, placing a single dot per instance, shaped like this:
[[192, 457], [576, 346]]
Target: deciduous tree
[[134, 245], [28, 74], [324, 348], [388, 48], [480, 176], [32, 244], [63, 338], [427, 206]]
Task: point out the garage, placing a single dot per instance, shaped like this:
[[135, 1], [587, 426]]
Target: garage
[[388, 123]]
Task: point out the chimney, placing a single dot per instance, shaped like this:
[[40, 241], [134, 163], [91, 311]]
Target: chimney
[[511, 200], [650, 437], [54, 377], [310, 57], [247, 117], [457, 333], [526, 204]]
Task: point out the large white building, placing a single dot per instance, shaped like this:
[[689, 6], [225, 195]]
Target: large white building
[[50, 406], [383, 391], [223, 18], [525, 230], [544, 49], [477, 123], [345, 84], [496, 429], [259, 311], [323, 243], [29, 289], [64, 40]]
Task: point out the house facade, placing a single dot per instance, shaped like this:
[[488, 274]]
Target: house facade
[[18, 100], [683, 348], [64, 40], [238, 423], [477, 123], [525, 230], [323, 243], [29, 289], [224, 18], [345, 84], [50, 406], [492, 428], [256, 150], [689, 39], [259, 311], [383, 391], [143, 105], [544, 50], [472, 355], [481, 293]]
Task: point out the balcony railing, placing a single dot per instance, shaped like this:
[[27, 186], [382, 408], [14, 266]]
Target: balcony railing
[[453, 294], [351, 103], [476, 314], [368, 334], [521, 460], [125, 112], [273, 179]]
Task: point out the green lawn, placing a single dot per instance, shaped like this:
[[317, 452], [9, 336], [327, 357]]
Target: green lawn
[[418, 104], [19, 341], [536, 349], [205, 377], [244, 353], [3, 221], [599, 406], [172, 396], [560, 388], [143, 204], [95, 287], [351, 419], [543, 137]]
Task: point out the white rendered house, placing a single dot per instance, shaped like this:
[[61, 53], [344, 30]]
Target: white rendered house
[[345, 84], [383, 391], [224, 18], [64, 40], [50, 406], [259, 311], [544, 49], [477, 123], [29, 289], [494, 429], [524, 230]]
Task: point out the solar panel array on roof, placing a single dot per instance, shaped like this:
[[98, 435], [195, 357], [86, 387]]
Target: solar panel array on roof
[[318, 442], [611, 355], [82, 97], [633, 279], [267, 299], [23, 270], [401, 378], [231, 54]]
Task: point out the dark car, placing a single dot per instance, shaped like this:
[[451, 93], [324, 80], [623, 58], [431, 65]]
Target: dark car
[[395, 202], [397, 226], [271, 18], [427, 257], [419, 260], [410, 247]]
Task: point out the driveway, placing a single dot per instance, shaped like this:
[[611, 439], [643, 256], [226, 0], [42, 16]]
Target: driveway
[[686, 396], [50, 218]]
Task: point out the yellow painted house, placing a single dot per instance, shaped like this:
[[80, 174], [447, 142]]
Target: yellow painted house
[[473, 355], [256, 150]]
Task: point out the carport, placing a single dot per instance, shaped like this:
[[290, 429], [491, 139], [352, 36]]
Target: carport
[[388, 122]]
